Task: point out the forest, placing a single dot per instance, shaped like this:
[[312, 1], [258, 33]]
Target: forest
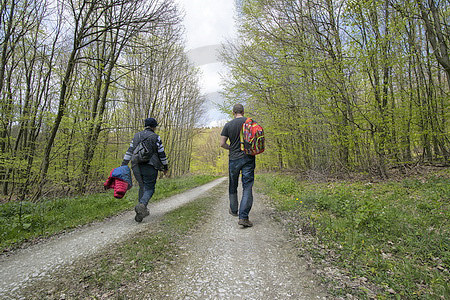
[[353, 96], [339, 87], [77, 78], [345, 86]]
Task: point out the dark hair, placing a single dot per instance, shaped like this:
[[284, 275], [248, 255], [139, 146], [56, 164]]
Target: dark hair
[[238, 109]]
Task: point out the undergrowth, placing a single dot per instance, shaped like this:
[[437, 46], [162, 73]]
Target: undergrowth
[[23, 221], [395, 233]]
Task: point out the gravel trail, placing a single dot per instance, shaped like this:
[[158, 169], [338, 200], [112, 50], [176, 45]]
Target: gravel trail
[[37, 261], [226, 261]]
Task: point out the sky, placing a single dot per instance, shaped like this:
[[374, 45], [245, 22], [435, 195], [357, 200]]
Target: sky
[[208, 23]]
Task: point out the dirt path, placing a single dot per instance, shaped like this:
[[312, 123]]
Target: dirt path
[[27, 265], [221, 260], [225, 261]]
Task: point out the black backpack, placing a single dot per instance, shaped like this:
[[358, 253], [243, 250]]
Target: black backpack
[[143, 151]]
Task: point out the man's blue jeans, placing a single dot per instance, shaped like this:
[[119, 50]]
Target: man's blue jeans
[[146, 176], [246, 165]]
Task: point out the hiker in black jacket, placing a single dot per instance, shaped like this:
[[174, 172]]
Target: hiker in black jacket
[[146, 173]]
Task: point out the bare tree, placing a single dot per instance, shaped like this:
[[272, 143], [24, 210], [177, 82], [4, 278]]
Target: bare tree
[[87, 29], [436, 25]]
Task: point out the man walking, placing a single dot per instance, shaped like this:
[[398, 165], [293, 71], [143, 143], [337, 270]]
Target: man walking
[[238, 162], [146, 173]]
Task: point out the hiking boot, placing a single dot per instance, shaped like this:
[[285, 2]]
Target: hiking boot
[[232, 213], [245, 222], [141, 212]]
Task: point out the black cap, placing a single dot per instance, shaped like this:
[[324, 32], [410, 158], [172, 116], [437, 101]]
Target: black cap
[[150, 122]]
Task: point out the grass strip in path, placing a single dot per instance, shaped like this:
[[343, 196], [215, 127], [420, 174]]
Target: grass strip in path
[[24, 221], [126, 270]]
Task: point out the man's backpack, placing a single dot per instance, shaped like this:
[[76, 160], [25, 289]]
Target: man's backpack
[[143, 151], [252, 138]]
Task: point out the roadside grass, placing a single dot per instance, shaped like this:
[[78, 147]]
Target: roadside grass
[[24, 221], [395, 234], [131, 269]]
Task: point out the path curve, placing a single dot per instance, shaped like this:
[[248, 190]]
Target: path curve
[[37, 261]]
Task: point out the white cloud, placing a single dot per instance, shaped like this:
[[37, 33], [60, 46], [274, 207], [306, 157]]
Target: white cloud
[[207, 22], [217, 123], [204, 55], [211, 77]]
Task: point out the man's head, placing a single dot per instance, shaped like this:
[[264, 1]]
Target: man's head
[[238, 109], [150, 122]]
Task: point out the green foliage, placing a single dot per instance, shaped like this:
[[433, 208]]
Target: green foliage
[[22, 221], [207, 157], [68, 113], [395, 233], [338, 85]]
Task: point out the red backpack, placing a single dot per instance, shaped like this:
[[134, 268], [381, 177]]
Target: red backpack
[[252, 138]]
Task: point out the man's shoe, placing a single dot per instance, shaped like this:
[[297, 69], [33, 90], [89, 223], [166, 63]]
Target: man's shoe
[[141, 212], [245, 222], [232, 213]]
